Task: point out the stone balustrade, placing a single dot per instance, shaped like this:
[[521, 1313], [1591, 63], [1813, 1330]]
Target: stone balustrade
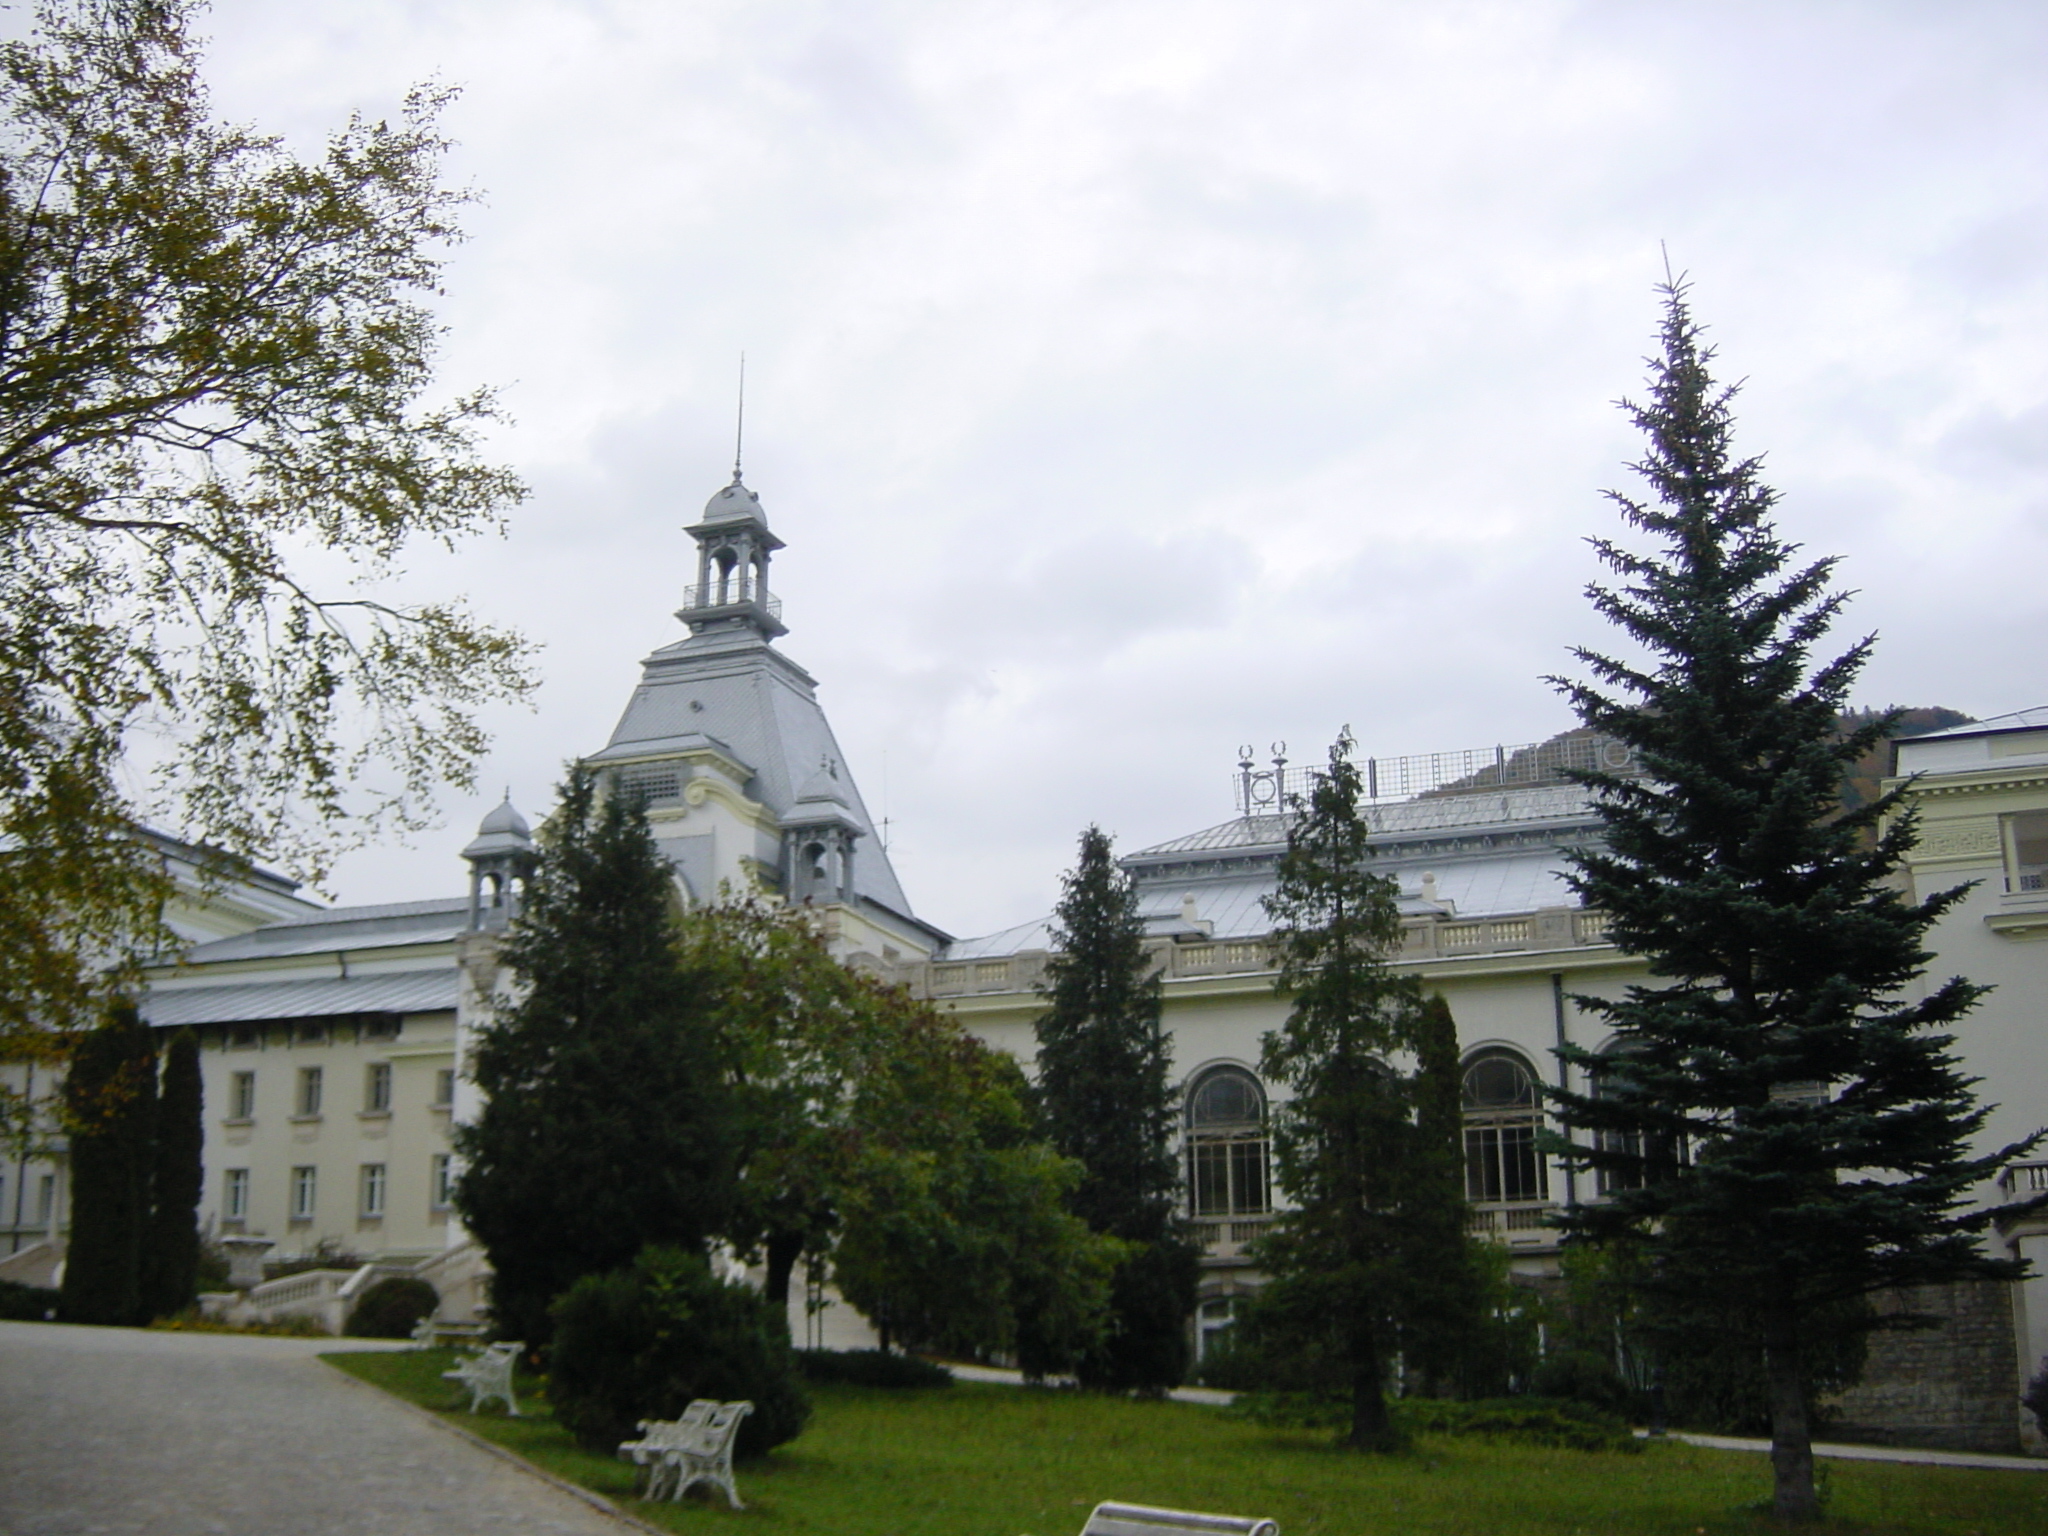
[[1422, 938]]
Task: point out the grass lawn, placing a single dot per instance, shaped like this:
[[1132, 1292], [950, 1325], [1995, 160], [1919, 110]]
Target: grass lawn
[[975, 1460]]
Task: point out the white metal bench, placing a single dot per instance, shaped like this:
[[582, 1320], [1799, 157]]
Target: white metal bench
[[1141, 1520], [660, 1436], [680, 1454], [488, 1374]]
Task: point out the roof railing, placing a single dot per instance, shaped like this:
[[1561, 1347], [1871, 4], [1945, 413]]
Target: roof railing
[[1278, 788], [729, 594]]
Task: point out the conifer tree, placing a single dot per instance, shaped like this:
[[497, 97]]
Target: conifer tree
[[170, 1247], [1358, 1147], [109, 1111], [1787, 1041], [1103, 1063], [605, 1125]]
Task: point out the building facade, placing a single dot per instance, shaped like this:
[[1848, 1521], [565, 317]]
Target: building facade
[[1475, 843]]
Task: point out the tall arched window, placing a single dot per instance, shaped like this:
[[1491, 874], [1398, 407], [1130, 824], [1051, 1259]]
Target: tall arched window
[[1503, 1113], [1227, 1145]]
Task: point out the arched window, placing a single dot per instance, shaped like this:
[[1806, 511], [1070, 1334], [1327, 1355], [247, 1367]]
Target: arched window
[[1503, 1113], [1227, 1145]]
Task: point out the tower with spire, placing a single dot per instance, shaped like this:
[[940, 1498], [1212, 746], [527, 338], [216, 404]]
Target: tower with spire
[[726, 746]]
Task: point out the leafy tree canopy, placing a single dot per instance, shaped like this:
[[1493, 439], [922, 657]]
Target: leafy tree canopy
[[1789, 1046], [219, 433]]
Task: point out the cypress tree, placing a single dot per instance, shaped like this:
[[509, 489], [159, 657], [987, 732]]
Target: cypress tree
[[1787, 1042], [1442, 1306], [170, 1253], [1361, 1147], [109, 1111], [606, 1125], [1103, 1065]]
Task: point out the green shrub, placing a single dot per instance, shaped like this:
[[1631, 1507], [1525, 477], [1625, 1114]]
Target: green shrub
[[643, 1342], [1543, 1421], [1521, 1420], [392, 1308], [1582, 1376], [870, 1368], [26, 1303], [2035, 1398]]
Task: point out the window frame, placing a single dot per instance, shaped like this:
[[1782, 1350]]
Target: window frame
[[2022, 877], [234, 1195], [1499, 1140], [441, 1182], [305, 1191], [242, 1095], [377, 1088], [373, 1187], [312, 1090], [1237, 1154]]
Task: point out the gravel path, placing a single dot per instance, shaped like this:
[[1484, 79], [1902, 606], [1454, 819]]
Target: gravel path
[[118, 1431]]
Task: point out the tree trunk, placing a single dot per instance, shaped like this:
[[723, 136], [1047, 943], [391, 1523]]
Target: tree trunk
[[1371, 1430], [1795, 1497], [784, 1249]]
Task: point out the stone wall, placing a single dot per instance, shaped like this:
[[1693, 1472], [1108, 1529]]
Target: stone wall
[[1953, 1387]]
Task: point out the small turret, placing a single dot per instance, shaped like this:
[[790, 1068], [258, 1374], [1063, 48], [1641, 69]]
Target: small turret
[[733, 546], [501, 858]]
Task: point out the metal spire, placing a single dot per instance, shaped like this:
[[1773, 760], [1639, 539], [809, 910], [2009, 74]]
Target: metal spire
[[739, 436]]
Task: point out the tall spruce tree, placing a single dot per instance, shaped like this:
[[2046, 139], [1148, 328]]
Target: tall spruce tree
[[170, 1241], [1103, 1079], [109, 1114], [1789, 1044], [1360, 1146], [605, 1125]]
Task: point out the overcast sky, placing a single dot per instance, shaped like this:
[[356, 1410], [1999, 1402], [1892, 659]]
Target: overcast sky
[[1135, 380]]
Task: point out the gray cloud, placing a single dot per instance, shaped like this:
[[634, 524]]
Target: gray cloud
[[1138, 379]]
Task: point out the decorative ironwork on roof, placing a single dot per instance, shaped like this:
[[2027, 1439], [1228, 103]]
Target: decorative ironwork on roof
[[1430, 774]]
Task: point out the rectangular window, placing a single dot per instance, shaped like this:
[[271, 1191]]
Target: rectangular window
[[309, 1090], [377, 1088], [1502, 1163], [441, 1192], [46, 1200], [1228, 1177], [2026, 852], [372, 1191], [242, 1096], [304, 1190], [382, 1026], [244, 1037], [234, 1200], [310, 1034], [444, 1088]]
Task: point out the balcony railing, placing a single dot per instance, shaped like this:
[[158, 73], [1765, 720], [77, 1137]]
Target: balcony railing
[[2022, 1181], [729, 595], [1228, 1239], [1521, 1224]]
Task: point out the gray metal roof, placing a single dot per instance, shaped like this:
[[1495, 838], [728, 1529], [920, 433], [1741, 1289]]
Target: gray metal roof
[[2019, 720], [1492, 853], [737, 691], [344, 928], [405, 992]]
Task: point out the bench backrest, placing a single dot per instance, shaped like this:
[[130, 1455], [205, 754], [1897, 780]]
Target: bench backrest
[[1142, 1520], [721, 1426], [682, 1431]]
